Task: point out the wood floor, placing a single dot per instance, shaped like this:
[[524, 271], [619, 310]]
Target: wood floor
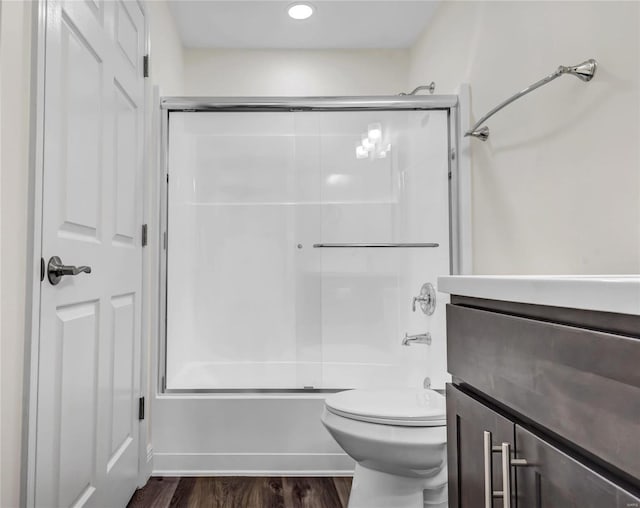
[[243, 492]]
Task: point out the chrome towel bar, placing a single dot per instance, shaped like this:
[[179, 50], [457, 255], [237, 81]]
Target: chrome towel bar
[[371, 245]]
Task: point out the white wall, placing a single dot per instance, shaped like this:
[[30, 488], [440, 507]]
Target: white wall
[[238, 72], [15, 34], [556, 189], [167, 58]]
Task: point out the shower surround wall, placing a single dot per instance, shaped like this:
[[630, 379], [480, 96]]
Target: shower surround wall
[[252, 305]]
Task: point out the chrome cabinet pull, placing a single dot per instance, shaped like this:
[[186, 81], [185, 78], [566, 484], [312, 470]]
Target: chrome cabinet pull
[[488, 477], [489, 450], [506, 475], [56, 270], [507, 462]]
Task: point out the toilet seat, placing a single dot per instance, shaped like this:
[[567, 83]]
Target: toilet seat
[[402, 407]]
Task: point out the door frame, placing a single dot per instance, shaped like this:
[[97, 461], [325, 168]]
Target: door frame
[[34, 255]]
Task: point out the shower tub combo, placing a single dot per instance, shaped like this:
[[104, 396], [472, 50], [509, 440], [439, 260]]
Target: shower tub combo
[[297, 233]]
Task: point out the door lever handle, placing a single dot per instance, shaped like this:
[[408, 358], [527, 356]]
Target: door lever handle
[[56, 270]]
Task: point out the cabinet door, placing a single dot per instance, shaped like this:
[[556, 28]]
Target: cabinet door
[[467, 422], [552, 479]]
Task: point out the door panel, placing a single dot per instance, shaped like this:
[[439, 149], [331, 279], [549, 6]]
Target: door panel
[[89, 361], [467, 420], [126, 143], [123, 357], [96, 7], [126, 34], [553, 479], [76, 389], [81, 124]]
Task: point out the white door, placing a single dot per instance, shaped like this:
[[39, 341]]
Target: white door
[[89, 360]]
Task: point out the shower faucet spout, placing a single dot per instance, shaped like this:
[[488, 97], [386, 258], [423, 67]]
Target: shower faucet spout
[[421, 338]]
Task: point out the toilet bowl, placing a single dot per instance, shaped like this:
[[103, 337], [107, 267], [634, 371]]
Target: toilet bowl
[[398, 439]]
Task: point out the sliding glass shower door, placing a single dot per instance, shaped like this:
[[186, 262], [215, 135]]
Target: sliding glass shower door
[[296, 240]]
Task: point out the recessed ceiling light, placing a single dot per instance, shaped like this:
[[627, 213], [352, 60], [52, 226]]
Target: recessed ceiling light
[[300, 11]]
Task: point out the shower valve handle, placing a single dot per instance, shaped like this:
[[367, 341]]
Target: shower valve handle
[[421, 299], [426, 299]]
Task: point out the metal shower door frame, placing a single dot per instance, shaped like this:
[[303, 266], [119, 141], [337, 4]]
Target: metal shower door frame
[[458, 229]]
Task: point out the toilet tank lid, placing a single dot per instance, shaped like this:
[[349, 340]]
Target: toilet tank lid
[[403, 404]]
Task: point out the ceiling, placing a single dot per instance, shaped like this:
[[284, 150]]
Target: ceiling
[[343, 24]]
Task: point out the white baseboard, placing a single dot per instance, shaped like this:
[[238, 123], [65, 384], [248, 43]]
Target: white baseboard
[[252, 464]]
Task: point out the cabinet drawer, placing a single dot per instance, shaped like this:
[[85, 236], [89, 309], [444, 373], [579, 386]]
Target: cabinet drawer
[[553, 479], [580, 384]]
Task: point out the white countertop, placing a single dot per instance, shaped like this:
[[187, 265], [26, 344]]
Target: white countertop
[[606, 293]]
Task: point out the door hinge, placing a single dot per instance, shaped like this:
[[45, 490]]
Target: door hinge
[[144, 235], [141, 408], [145, 66], [164, 243]]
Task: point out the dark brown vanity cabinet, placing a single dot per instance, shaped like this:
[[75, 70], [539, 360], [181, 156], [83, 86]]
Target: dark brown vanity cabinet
[[539, 475], [552, 478], [544, 408]]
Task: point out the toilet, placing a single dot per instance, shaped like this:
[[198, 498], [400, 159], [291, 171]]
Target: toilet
[[398, 439]]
